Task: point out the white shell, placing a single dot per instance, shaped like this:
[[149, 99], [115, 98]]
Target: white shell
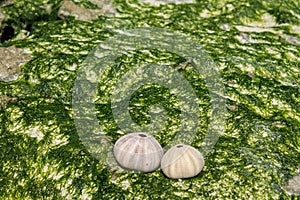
[[182, 161], [138, 151]]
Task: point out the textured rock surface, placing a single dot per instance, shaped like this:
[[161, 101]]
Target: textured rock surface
[[293, 185], [11, 60], [69, 8], [255, 46]]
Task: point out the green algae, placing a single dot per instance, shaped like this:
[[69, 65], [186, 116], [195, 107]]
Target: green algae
[[43, 157], [22, 15]]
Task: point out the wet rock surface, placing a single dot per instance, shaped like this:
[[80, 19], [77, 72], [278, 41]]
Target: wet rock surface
[[293, 185], [69, 8], [11, 60], [255, 46]]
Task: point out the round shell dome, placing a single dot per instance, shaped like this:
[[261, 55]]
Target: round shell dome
[[182, 161], [138, 151]]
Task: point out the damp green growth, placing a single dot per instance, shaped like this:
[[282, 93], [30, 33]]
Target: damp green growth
[[86, 4], [23, 15], [256, 48]]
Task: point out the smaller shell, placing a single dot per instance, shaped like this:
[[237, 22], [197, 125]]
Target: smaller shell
[[182, 161], [138, 151]]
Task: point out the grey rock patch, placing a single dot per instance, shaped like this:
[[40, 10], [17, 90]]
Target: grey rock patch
[[291, 39], [293, 185], [11, 60], [6, 2], [68, 8], [2, 19]]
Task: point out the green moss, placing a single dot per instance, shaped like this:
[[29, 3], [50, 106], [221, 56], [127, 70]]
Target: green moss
[[23, 14], [42, 155]]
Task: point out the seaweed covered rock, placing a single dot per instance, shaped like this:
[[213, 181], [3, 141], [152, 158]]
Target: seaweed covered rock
[[253, 46]]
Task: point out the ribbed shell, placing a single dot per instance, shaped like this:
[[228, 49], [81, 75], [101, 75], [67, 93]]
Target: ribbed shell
[[182, 161], [138, 152]]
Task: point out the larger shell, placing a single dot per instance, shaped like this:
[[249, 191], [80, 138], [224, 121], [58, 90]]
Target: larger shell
[[182, 161], [138, 152]]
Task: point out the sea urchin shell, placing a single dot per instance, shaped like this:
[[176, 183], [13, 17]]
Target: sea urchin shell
[[182, 161], [138, 151]]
